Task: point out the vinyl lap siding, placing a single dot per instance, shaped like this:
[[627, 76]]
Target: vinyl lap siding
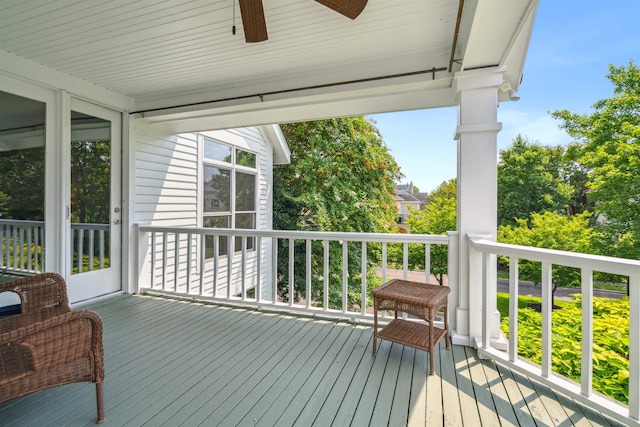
[[167, 180]]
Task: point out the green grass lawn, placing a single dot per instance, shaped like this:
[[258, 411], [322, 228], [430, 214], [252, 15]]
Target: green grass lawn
[[524, 301]]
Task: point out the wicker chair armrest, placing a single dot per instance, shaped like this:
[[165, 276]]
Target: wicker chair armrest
[[19, 334], [22, 333], [45, 290], [61, 337]]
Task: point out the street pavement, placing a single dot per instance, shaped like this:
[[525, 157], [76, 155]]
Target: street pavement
[[524, 287]]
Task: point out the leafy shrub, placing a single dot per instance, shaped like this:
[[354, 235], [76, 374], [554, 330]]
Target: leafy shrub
[[610, 346]]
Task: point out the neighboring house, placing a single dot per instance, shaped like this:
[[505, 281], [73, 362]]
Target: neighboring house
[[405, 198]]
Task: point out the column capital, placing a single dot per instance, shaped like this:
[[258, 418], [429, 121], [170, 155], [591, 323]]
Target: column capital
[[478, 79]]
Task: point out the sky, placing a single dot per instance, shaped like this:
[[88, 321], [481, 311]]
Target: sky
[[572, 45]]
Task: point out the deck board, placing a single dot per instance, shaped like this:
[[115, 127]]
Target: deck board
[[173, 363]]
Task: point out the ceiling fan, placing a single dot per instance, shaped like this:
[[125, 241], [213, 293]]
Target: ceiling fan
[[255, 26]]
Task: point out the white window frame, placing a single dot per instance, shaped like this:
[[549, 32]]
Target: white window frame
[[233, 168]]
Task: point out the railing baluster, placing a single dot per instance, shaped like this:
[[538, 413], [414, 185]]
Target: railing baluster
[[15, 247], [216, 263], [384, 262], [308, 273], [586, 374], [153, 259], [274, 268], [30, 231], [427, 263], [243, 269], [363, 302], [634, 346], [176, 261], [80, 250], [345, 275], [486, 315], [258, 289], [202, 262], [165, 273], [513, 308], [189, 258], [325, 271], [291, 272], [405, 261], [90, 249], [21, 248], [230, 250], [547, 309], [101, 248]]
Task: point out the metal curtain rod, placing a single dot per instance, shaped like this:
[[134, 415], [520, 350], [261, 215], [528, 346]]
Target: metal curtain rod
[[431, 71]]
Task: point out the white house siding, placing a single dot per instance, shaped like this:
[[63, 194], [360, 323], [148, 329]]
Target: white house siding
[[168, 192]]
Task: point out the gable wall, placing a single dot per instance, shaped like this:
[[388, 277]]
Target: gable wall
[[166, 173]]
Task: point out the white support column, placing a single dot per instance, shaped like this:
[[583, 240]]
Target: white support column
[[477, 136]]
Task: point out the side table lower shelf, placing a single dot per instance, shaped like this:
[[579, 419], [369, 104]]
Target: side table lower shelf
[[413, 334]]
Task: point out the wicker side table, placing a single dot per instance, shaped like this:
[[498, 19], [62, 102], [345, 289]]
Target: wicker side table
[[419, 299]]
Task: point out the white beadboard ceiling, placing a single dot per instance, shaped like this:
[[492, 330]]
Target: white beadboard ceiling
[[176, 53]]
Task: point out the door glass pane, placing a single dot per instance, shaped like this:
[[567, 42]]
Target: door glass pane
[[90, 192], [22, 140]]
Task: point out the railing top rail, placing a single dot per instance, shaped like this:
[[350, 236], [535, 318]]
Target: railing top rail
[[605, 264], [89, 226], [21, 222], [314, 235]]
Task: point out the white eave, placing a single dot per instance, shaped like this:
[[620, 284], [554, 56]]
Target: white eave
[[281, 152]]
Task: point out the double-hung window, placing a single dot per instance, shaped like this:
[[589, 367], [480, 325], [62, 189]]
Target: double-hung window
[[229, 193]]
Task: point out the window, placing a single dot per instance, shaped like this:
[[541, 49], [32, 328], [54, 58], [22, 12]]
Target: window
[[229, 193]]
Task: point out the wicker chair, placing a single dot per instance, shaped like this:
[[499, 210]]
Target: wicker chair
[[47, 344]]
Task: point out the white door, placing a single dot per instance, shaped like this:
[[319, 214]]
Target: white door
[[94, 233]]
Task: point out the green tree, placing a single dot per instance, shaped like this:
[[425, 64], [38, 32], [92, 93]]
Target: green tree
[[22, 179], [4, 204], [552, 231], [341, 178], [438, 217], [611, 150], [530, 179], [90, 181]]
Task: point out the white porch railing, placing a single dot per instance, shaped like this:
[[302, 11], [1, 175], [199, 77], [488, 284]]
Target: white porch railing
[[90, 240], [195, 262], [588, 264], [21, 244]]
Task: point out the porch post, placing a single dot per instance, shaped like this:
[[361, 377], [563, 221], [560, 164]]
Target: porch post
[[476, 136]]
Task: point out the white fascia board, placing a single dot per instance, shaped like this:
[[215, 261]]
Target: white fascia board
[[274, 136], [30, 71]]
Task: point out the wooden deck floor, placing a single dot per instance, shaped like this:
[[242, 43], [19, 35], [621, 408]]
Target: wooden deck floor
[[177, 363]]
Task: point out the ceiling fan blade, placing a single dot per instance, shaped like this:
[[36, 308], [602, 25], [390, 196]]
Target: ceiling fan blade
[[253, 22], [349, 8]]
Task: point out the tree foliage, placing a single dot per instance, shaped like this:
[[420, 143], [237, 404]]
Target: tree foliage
[[438, 217], [611, 150], [90, 181], [530, 179], [552, 231], [22, 180], [341, 178]]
